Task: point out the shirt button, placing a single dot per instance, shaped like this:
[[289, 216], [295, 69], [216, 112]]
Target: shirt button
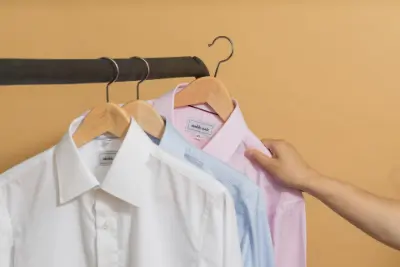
[[105, 225]]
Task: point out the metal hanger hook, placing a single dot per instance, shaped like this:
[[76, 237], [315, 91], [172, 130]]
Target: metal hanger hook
[[116, 75], [145, 78], [226, 59]]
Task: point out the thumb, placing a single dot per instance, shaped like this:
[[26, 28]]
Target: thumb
[[271, 145], [266, 162]]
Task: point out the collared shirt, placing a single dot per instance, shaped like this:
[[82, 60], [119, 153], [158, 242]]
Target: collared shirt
[[114, 203], [251, 214], [228, 141]]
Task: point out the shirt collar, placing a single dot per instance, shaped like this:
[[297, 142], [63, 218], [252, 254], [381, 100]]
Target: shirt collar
[[173, 142], [126, 177], [225, 142]]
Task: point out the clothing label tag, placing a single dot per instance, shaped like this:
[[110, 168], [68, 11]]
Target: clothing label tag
[[193, 160], [199, 127], [107, 158]]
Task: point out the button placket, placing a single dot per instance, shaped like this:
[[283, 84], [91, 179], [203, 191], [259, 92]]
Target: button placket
[[106, 241]]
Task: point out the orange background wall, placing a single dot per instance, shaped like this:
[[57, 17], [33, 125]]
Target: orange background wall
[[323, 74]]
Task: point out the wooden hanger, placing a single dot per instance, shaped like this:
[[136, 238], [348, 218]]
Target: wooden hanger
[[105, 118], [208, 90], [146, 116], [144, 113]]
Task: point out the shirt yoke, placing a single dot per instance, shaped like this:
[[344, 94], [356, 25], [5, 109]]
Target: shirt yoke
[[25, 167], [201, 178]]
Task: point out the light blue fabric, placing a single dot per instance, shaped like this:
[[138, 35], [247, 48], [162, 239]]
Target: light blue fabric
[[254, 233]]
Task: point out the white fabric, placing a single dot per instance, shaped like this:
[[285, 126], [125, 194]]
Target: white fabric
[[138, 208]]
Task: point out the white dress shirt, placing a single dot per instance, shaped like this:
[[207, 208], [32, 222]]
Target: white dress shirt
[[114, 203]]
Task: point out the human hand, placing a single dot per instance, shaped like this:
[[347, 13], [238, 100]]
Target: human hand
[[286, 164]]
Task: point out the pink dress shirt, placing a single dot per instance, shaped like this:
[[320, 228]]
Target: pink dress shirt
[[228, 141]]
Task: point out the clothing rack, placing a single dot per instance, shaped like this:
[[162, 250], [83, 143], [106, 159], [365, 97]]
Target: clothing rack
[[72, 71]]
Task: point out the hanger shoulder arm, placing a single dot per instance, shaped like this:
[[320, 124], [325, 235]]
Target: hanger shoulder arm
[[207, 90], [105, 118], [147, 117]]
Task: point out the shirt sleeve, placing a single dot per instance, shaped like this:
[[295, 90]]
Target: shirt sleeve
[[290, 235], [221, 246], [6, 240]]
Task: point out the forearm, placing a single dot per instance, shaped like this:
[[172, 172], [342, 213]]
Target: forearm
[[378, 217]]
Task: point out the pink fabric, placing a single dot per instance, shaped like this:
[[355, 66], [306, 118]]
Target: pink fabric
[[228, 142]]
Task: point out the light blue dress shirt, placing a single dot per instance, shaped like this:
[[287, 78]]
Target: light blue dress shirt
[[254, 233]]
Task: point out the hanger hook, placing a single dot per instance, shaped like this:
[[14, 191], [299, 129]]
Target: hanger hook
[[145, 78], [226, 59], [116, 75]]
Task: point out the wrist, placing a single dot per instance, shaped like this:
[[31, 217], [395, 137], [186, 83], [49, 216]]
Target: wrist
[[311, 182]]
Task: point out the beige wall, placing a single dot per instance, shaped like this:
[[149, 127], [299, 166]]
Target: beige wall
[[324, 76]]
